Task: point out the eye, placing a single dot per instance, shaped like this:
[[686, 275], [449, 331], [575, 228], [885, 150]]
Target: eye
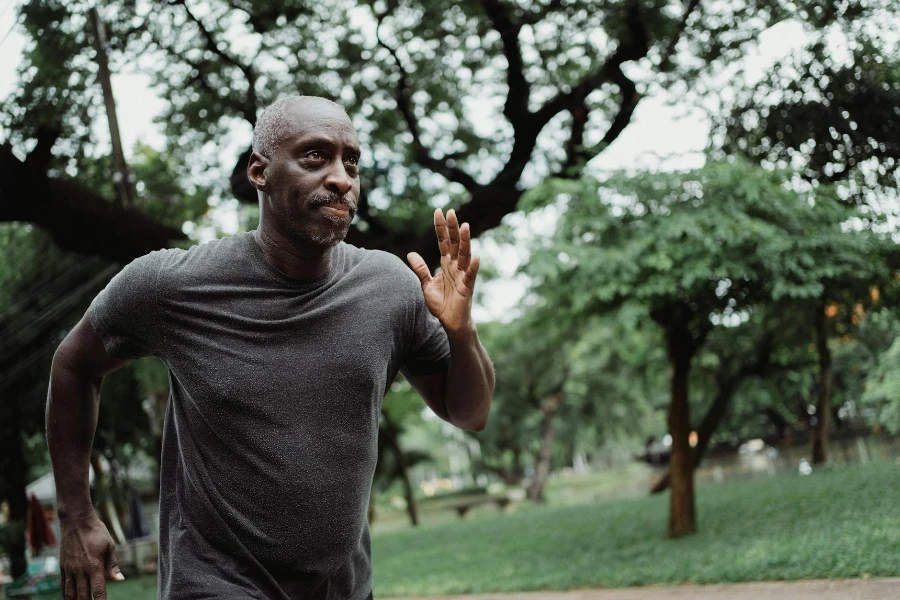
[[353, 161], [315, 155]]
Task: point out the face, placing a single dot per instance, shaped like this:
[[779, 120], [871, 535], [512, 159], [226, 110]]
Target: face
[[311, 184]]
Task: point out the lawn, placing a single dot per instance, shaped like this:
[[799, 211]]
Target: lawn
[[840, 522]]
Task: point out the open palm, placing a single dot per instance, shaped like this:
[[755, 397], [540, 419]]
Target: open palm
[[448, 293]]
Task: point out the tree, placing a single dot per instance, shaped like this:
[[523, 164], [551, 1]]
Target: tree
[[401, 408], [563, 382], [883, 388], [697, 250], [556, 76], [833, 119]]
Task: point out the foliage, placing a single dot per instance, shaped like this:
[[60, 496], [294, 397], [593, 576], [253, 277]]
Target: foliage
[[831, 117], [607, 396], [717, 239], [882, 388], [762, 529], [456, 102]]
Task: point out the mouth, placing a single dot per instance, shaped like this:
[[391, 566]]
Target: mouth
[[334, 207], [337, 210]]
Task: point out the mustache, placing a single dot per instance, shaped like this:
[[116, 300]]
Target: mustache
[[317, 201]]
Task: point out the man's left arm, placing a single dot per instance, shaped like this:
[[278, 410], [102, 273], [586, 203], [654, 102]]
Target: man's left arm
[[462, 394]]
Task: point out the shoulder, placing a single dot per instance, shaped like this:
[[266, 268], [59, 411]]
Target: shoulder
[[390, 268], [207, 258]]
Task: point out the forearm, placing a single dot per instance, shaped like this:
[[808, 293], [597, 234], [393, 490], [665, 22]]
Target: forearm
[[470, 381], [72, 406]]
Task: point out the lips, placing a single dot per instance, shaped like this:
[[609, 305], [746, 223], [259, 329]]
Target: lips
[[334, 206], [338, 210]]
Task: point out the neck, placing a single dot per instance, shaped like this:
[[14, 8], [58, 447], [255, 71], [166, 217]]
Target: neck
[[287, 256]]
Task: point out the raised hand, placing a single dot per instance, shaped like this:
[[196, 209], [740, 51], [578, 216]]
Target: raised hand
[[448, 293]]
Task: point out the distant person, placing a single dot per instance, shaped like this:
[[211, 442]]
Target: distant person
[[281, 344]]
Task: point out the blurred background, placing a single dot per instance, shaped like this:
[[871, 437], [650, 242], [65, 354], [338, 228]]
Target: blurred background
[[687, 216]]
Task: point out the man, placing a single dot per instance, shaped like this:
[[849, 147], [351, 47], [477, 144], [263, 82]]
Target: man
[[281, 344]]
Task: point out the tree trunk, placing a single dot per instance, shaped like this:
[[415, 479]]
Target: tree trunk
[[542, 468], [518, 469], [823, 406], [370, 513], [711, 420], [728, 385], [403, 466], [156, 418], [682, 517], [123, 179], [15, 478]]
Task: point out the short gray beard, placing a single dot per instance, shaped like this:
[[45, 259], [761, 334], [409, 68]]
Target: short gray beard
[[334, 237]]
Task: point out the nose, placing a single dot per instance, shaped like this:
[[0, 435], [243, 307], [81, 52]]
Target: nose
[[337, 180]]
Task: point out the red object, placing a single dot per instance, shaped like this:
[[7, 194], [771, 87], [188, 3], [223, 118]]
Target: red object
[[39, 532]]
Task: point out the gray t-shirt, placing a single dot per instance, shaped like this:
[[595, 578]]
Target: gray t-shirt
[[269, 444]]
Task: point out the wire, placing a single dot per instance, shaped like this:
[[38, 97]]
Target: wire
[[26, 334], [14, 25]]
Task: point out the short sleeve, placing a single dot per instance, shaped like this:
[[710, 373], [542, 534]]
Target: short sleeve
[[429, 349], [125, 313]]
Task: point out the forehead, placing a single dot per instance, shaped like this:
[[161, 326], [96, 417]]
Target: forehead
[[319, 120]]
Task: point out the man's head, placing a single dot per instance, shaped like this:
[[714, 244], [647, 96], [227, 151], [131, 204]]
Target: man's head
[[305, 167]]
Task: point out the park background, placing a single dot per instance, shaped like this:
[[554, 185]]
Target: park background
[[687, 217]]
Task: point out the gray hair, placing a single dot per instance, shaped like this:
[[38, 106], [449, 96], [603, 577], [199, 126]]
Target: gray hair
[[272, 123]]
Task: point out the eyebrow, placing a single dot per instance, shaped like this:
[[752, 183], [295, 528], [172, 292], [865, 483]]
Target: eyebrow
[[322, 141]]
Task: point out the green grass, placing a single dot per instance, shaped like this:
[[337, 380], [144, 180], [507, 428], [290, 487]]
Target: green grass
[[840, 522]]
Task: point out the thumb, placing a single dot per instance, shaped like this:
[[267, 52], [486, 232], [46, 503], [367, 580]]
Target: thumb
[[112, 565], [419, 267]]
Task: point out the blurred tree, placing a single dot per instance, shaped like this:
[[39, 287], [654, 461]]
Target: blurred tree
[[550, 79], [883, 388], [698, 250], [580, 381], [401, 408], [38, 284], [832, 118], [530, 358]]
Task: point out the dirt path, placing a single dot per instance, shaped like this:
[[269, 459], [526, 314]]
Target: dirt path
[[841, 589]]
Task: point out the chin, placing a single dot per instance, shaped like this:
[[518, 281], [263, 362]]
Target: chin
[[325, 237]]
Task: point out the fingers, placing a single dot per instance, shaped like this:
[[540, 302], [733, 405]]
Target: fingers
[[443, 235], [112, 565], [68, 585], [98, 584], [453, 231], [82, 586], [419, 267], [464, 257], [472, 272]]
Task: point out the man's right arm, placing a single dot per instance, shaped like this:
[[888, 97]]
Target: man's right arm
[[87, 551]]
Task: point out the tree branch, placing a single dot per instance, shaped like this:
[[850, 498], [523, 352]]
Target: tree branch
[[251, 104], [627, 106], [421, 154], [666, 63], [634, 48], [77, 219], [40, 156], [518, 89]]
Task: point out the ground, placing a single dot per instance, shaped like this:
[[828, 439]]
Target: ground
[[841, 522], [843, 589]]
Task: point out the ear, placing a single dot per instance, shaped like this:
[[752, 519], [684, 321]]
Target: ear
[[256, 170]]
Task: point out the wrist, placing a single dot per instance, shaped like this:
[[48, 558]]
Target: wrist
[[463, 333], [75, 513]]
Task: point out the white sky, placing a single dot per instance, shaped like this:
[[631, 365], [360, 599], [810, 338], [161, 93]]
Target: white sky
[[660, 135]]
